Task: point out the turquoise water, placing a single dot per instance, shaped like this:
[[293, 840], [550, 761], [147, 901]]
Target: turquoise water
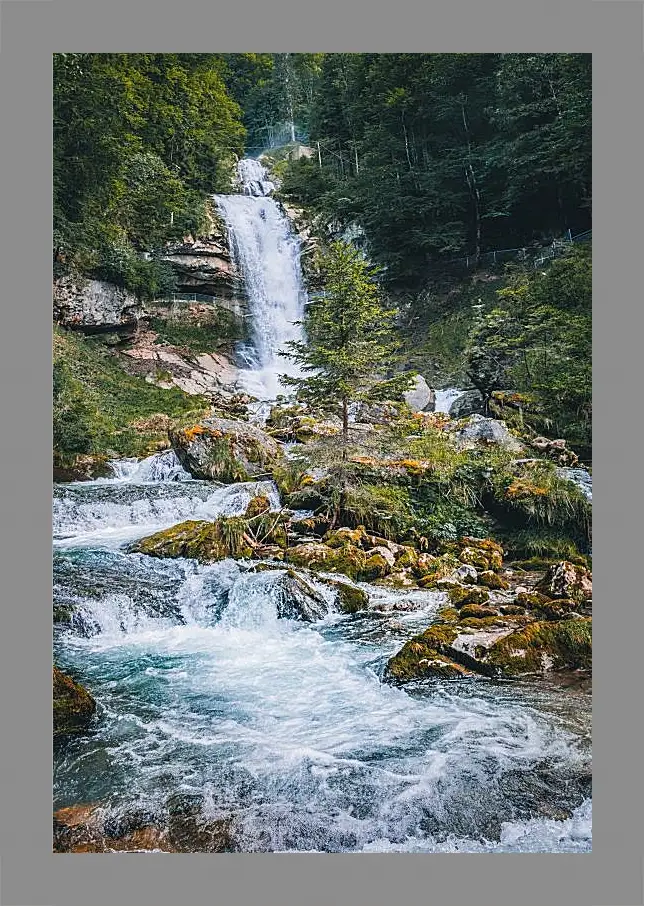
[[286, 728]]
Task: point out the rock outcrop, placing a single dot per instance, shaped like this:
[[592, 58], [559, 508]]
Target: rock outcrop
[[94, 306], [221, 449]]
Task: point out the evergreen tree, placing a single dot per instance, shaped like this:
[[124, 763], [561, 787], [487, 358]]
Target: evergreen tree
[[350, 354]]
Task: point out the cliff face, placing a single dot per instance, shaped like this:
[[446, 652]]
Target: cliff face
[[94, 305], [204, 264]]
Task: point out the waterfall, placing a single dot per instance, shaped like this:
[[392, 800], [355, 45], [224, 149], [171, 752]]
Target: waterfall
[[267, 253]]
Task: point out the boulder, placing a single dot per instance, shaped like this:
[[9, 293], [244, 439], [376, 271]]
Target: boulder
[[543, 646], [94, 305], [73, 705], [222, 449], [198, 540], [420, 398], [459, 596], [348, 559], [566, 580], [489, 431], [470, 402], [296, 599], [349, 598]]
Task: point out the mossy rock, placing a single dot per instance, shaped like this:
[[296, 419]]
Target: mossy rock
[[448, 615], [543, 646], [198, 540], [489, 579], [476, 611], [512, 609], [342, 536], [531, 599], [423, 655], [221, 449], [316, 556], [460, 596], [349, 598], [73, 706], [64, 613], [376, 567], [257, 505], [557, 609], [429, 566], [407, 558]]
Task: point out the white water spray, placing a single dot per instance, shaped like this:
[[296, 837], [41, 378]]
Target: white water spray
[[267, 252]]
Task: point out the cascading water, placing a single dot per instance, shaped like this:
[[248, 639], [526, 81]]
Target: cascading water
[[267, 253], [212, 697]]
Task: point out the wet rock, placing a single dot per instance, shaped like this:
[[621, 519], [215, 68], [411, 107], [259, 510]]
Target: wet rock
[[422, 655], [191, 831], [566, 580], [296, 599], [349, 598], [220, 449], [73, 706]]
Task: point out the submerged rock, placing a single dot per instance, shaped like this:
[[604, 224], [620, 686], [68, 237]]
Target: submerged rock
[[221, 449], [73, 706]]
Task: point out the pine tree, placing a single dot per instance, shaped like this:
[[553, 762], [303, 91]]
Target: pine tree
[[350, 354]]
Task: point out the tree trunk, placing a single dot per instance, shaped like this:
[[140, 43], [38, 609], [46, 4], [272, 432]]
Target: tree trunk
[[345, 427]]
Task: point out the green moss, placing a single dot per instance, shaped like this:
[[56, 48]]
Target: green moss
[[350, 598], [418, 656], [73, 706], [489, 579], [216, 332], [198, 540], [460, 596], [544, 645], [476, 611]]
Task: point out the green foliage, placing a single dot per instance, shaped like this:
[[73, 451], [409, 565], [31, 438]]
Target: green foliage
[[446, 155], [350, 346], [139, 139], [538, 339], [99, 409]]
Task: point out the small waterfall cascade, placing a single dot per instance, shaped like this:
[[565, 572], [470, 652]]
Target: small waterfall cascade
[[267, 253]]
